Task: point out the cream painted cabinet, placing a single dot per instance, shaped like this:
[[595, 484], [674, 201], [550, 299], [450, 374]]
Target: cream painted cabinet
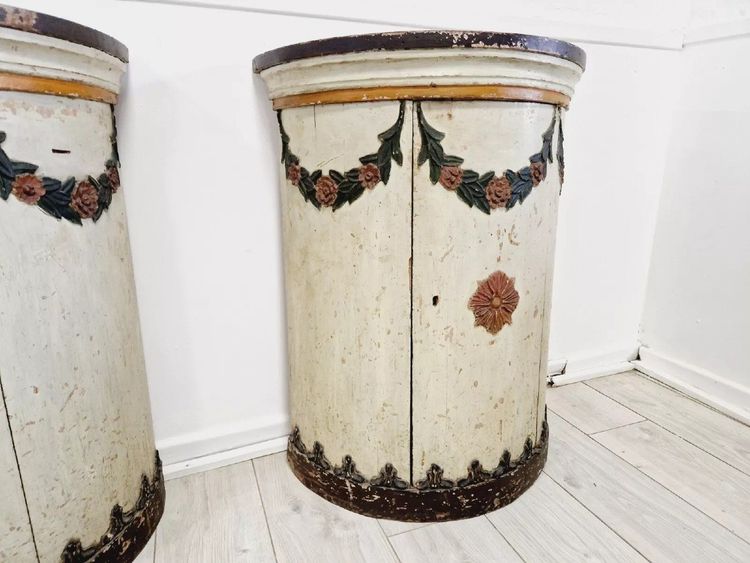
[[421, 174], [79, 477]]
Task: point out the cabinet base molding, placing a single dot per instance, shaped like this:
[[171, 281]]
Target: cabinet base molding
[[432, 499], [129, 531]]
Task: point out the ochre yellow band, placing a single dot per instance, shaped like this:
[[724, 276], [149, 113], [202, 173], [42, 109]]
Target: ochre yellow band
[[459, 92], [55, 87]]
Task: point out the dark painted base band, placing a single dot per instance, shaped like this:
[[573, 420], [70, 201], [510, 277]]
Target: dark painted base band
[[487, 491], [128, 532]]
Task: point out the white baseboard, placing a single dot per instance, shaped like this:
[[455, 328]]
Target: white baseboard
[[591, 373], [220, 459], [556, 367], [583, 367], [717, 392], [222, 445], [200, 451]]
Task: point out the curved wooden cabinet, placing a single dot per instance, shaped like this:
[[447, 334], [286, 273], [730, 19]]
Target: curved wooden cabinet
[[421, 174], [79, 478]]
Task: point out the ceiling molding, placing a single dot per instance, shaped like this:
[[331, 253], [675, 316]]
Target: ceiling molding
[[569, 26]]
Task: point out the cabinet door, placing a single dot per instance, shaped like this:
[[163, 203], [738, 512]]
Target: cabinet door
[[72, 363], [16, 543], [347, 272], [478, 390]]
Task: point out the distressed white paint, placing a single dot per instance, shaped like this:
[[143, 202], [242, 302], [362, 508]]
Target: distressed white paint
[[72, 364], [347, 290], [39, 55], [363, 351], [423, 67], [476, 394]]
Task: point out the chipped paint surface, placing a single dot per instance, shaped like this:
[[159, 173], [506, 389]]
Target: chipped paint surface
[[46, 25], [72, 364], [458, 383], [386, 364], [347, 292], [413, 40], [129, 528], [348, 303], [422, 67]]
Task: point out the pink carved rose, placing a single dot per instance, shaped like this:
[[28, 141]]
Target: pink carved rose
[[498, 192], [369, 176], [326, 191], [450, 177], [85, 199], [28, 188], [538, 172], [294, 173]]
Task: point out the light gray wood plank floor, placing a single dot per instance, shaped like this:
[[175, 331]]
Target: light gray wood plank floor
[[636, 471]]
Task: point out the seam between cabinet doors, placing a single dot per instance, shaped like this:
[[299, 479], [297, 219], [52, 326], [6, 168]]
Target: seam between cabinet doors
[[411, 310]]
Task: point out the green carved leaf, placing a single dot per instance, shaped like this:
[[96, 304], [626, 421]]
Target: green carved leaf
[[482, 204], [465, 195], [23, 168], [452, 160], [6, 166], [6, 186], [434, 172], [336, 176], [485, 178]]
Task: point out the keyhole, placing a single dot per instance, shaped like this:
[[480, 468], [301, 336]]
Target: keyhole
[[435, 300]]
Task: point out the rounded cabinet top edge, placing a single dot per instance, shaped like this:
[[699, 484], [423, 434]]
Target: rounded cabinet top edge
[[59, 28], [409, 40]]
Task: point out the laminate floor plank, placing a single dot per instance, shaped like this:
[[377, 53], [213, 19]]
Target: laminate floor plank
[[460, 541], [306, 528], [715, 488], [587, 409], [393, 527], [648, 483], [711, 431], [655, 521], [546, 524], [215, 516]]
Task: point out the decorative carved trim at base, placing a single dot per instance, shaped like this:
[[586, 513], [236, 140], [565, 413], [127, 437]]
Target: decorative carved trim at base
[[433, 499], [128, 532]]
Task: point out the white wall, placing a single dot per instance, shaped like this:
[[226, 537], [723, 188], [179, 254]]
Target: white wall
[[696, 320], [199, 147]]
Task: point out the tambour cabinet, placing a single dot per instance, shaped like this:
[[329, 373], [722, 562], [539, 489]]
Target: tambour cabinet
[[79, 477], [420, 177]]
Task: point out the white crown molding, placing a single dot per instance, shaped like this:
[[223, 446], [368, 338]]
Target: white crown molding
[[717, 32], [413, 16]]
